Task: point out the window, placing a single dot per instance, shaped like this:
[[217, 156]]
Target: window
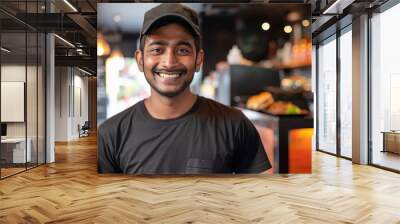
[[346, 93], [385, 88], [327, 96], [22, 77]]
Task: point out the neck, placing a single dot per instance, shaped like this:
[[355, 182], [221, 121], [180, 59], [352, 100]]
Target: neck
[[162, 107]]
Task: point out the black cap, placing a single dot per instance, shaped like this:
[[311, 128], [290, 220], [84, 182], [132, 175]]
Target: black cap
[[176, 10]]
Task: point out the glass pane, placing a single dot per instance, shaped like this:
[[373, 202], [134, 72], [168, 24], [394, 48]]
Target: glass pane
[[31, 97], [327, 97], [13, 84], [345, 94], [41, 98], [386, 89], [31, 84]]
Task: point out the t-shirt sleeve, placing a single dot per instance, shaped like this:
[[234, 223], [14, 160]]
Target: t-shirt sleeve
[[106, 162], [250, 156]]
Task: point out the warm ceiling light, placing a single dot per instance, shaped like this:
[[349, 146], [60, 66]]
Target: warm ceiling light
[[117, 54], [293, 16], [70, 5], [5, 49], [305, 23], [288, 29], [265, 26], [102, 46]]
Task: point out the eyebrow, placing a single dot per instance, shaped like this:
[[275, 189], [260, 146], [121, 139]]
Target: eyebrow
[[164, 43], [158, 42], [186, 43]]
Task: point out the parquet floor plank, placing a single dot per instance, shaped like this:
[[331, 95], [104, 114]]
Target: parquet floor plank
[[71, 191]]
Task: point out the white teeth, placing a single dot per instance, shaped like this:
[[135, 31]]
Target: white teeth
[[171, 75]]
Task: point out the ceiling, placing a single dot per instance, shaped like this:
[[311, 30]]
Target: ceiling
[[75, 22]]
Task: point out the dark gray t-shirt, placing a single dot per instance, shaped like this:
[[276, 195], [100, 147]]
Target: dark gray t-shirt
[[209, 138]]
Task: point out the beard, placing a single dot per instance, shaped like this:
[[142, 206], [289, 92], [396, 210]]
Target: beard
[[169, 94]]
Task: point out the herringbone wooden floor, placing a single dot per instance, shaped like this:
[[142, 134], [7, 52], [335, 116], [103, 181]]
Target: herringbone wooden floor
[[71, 191]]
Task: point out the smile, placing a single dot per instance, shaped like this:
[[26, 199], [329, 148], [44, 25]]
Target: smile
[[169, 75]]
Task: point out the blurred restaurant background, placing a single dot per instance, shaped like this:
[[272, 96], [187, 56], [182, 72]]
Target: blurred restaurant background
[[257, 58]]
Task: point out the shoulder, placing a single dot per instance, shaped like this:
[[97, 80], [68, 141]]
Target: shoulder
[[118, 121], [220, 109]]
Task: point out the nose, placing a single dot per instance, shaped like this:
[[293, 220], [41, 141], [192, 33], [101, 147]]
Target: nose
[[169, 59]]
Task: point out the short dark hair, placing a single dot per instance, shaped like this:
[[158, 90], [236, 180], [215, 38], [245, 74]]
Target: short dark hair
[[168, 20]]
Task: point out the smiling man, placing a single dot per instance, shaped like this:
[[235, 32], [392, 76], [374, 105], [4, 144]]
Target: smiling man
[[175, 131]]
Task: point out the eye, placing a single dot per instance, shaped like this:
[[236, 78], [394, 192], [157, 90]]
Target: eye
[[183, 51], [156, 51]]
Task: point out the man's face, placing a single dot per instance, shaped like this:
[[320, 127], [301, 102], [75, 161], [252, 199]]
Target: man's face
[[169, 59]]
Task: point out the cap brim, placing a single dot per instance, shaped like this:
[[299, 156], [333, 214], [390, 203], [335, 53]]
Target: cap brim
[[146, 29]]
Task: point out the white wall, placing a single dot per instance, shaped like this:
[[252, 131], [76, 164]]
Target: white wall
[[13, 73], [61, 103], [81, 102], [71, 94]]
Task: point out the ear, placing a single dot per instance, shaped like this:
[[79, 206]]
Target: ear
[[199, 60], [139, 59]]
